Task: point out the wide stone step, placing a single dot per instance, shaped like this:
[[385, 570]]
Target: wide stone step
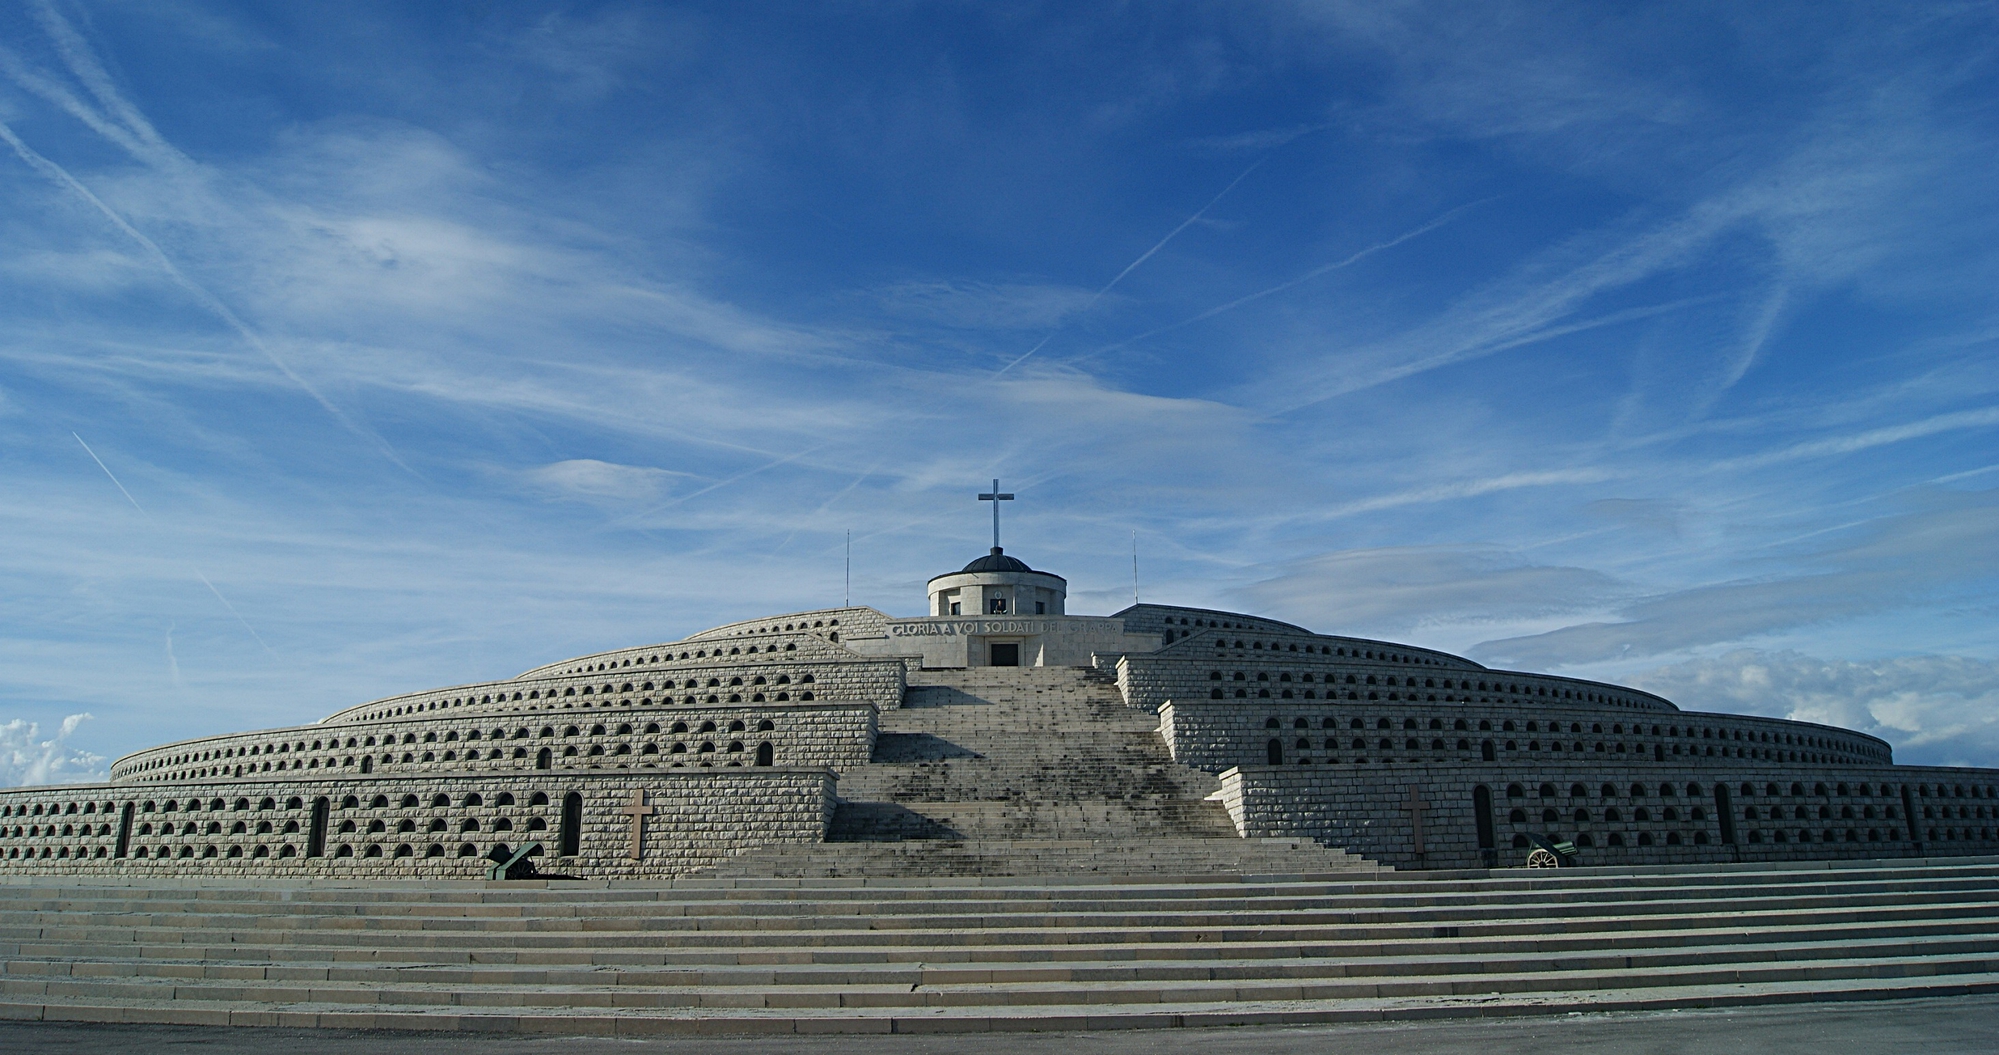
[[1510, 905], [1015, 1018], [1033, 951], [900, 993], [1496, 910], [1465, 919], [964, 931], [176, 894], [1371, 888], [806, 905], [1104, 819], [1246, 962]]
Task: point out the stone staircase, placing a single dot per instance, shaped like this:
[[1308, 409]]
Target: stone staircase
[[993, 953], [1027, 770]]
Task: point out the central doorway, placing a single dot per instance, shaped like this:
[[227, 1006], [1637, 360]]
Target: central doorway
[[1005, 654]]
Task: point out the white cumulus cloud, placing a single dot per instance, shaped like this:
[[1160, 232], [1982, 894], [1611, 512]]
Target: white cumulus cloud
[[26, 758], [1935, 710]]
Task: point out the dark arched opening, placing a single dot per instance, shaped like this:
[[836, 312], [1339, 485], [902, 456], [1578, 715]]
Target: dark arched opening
[[1486, 752], [1481, 808], [572, 825], [766, 754], [543, 759], [1725, 812], [315, 836], [1274, 751], [124, 830]]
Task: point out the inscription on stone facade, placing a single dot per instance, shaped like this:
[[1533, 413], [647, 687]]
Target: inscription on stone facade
[[973, 627]]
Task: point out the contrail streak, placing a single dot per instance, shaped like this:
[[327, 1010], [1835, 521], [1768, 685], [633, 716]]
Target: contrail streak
[[173, 662], [747, 473], [207, 300], [65, 100], [828, 504], [638, 517], [232, 609], [1307, 276], [1396, 373], [1142, 258], [149, 520], [82, 62], [1188, 222], [114, 480]]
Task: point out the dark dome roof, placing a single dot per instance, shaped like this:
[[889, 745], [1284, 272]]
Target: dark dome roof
[[997, 560]]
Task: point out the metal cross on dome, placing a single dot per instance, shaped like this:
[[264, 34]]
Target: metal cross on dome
[[995, 497]]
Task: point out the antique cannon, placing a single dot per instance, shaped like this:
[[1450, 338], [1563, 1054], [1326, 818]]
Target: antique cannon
[[1550, 854], [511, 866]]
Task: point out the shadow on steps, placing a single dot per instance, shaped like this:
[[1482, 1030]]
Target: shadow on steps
[[917, 747], [875, 822], [919, 696]]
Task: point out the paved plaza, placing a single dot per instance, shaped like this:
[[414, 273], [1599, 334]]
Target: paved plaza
[[1929, 1027]]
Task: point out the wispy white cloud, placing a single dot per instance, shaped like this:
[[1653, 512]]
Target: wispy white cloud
[[1756, 333], [659, 268], [1259, 140], [1649, 514], [1887, 563], [984, 305], [1517, 70], [198, 573], [1936, 710], [1473, 488], [201, 294], [1961, 420], [593, 53], [1827, 200], [592, 480], [1143, 257], [1408, 588], [1323, 269], [83, 63]]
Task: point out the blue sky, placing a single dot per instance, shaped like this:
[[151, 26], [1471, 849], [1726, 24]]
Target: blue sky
[[428, 343]]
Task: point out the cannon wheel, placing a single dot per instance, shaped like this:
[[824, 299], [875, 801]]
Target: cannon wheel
[[1540, 858]]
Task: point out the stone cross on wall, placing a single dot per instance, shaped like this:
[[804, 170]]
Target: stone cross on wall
[[1416, 806], [638, 811]]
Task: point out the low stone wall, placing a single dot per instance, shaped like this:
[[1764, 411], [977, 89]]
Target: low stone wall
[[430, 825], [1299, 667], [768, 677], [1753, 813], [835, 735], [1214, 735]]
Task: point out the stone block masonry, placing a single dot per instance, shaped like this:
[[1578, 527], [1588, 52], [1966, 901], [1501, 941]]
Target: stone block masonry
[[1363, 745], [1409, 756], [419, 826], [1686, 813], [1217, 734], [769, 678], [1061, 846], [647, 736]]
